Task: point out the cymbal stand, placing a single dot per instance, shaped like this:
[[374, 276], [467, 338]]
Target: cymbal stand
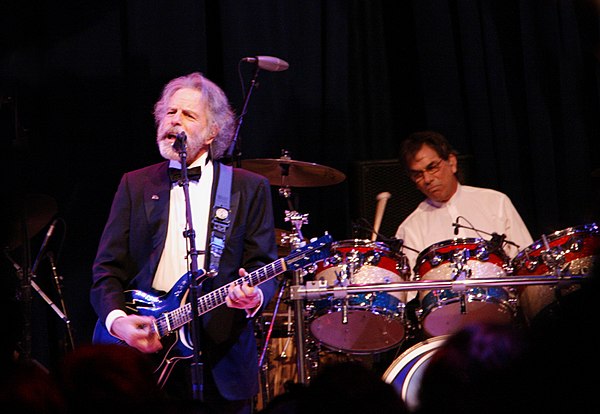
[[27, 283], [296, 240]]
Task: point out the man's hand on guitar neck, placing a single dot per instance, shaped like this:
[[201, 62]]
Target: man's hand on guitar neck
[[244, 296], [138, 332]]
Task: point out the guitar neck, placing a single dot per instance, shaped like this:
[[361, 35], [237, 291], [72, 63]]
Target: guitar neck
[[171, 321]]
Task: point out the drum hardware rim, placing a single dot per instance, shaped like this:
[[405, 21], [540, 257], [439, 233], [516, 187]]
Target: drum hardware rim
[[502, 304], [478, 250], [314, 294], [424, 343]]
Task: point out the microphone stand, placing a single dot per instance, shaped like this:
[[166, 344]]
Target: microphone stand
[[194, 274], [395, 244], [27, 284], [24, 294], [58, 284], [234, 152]]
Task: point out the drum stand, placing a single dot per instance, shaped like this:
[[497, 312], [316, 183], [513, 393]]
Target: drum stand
[[294, 240], [263, 365], [285, 173]]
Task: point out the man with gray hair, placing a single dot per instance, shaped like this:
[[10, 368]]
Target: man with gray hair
[[143, 247]]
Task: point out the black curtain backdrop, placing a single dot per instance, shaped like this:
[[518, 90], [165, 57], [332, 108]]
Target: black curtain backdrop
[[512, 83]]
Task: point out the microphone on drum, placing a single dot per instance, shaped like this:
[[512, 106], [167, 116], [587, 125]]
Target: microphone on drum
[[363, 224], [394, 243], [497, 239]]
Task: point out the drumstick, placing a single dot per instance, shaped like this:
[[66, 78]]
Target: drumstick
[[382, 199]]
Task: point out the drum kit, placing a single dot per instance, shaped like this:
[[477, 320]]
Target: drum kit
[[354, 302]]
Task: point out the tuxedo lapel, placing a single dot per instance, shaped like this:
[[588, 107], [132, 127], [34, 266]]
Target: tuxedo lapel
[[156, 202]]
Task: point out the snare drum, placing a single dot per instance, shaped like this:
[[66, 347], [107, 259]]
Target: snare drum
[[405, 373], [571, 251], [444, 311], [360, 323]]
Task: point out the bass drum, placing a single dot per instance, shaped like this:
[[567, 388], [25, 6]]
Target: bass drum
[[571, 250], [444, 311], [405, 373], [360, 323]]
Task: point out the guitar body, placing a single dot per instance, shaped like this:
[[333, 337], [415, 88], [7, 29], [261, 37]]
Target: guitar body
[[177, 345], [172, 311]]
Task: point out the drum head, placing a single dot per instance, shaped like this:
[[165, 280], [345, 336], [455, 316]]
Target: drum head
[[481, 305], [364, 331]]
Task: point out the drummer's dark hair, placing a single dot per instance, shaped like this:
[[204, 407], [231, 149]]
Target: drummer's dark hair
[[413, 143]]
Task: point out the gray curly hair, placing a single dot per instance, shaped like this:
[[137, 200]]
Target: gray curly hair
[[219, 112]]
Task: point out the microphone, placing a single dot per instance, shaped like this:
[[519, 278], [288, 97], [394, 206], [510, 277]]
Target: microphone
[[382, 199], [180, 140], [44, 246], [497, 241], [456, 226], [270, 63], [396, 244]]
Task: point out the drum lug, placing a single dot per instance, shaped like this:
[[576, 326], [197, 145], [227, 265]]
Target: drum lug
[[513, 302], [532, 265], [508, 268], [436, 259], [576, 244], [482, 253], [374, 259]]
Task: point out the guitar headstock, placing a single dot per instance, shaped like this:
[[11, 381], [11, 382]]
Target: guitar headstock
[[310, 254]]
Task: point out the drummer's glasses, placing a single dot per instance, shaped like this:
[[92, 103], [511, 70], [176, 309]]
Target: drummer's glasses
[[432, 168]]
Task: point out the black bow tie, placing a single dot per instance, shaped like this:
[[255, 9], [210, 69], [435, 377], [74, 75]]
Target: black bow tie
[[192, 173]]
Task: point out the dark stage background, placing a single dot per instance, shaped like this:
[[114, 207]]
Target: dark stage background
[[513, 84]]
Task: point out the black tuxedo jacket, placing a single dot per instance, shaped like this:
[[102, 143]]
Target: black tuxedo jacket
[[132, 243]]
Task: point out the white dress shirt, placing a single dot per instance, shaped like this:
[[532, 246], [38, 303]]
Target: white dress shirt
[[174, 262], [483, 209]]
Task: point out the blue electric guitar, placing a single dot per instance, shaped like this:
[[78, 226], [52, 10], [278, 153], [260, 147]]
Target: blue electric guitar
[[172, 314]]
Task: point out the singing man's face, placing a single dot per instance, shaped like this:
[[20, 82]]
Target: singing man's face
[[185, 112]]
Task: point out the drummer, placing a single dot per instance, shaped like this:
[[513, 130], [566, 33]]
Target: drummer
[[431, 164]]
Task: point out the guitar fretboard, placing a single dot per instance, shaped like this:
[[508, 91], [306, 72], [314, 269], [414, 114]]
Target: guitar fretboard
[[170, 321]]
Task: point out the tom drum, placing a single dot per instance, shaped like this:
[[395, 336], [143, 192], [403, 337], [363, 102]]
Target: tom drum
[[444, 311], [361, 323], [569, 251]]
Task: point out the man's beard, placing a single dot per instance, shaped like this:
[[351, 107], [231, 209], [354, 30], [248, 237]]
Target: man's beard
[[194, 144]]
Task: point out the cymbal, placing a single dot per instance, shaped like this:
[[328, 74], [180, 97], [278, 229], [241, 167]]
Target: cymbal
[[34, 210], [285, 172]]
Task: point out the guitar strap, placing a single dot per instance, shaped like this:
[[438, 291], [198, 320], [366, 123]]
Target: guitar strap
[[221, 217]]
